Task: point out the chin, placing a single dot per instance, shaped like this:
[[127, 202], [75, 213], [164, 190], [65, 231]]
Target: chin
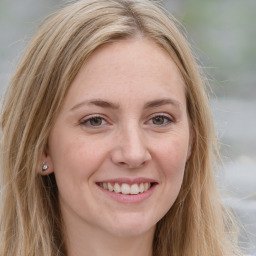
[[126, 232], [132, 227]]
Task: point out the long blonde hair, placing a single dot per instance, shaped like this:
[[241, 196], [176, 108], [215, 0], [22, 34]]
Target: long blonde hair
[[30, 219]]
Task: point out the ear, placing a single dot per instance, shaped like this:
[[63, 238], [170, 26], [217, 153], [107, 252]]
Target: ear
[[46, 165]]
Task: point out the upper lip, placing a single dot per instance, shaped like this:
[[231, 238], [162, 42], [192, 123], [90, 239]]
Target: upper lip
[[129, 181]]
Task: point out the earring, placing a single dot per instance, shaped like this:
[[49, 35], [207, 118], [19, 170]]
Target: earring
[[44, 167]]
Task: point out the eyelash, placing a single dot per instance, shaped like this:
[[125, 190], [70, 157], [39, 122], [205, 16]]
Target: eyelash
[[167, 118], [85, 122]]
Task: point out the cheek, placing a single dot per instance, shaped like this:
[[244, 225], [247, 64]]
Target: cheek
[[76, 158], [171, 160], [74, 162], [172, 154]]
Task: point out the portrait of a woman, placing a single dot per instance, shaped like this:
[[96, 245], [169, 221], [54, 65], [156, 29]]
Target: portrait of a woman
[[107, 144]]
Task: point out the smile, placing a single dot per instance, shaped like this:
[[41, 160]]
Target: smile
[[124, 188]]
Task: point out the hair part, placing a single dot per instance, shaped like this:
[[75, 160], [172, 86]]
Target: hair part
[[30, 219]]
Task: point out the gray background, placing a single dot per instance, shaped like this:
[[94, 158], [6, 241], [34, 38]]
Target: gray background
[[223, 35]]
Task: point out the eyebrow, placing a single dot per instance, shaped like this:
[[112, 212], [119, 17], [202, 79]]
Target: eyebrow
[[97, 102], [105, 104], [161, 102]]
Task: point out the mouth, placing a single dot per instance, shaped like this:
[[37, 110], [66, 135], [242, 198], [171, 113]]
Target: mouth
[[125, 188]]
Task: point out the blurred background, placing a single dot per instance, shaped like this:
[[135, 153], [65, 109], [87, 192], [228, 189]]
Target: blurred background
[[223, 36]]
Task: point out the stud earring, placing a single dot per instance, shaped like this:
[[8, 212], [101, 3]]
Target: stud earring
[[44, 167]]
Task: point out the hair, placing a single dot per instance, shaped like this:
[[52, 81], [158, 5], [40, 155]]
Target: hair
[[30, 221]]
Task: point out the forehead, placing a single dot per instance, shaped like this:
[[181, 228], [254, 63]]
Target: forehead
[[137, 68]]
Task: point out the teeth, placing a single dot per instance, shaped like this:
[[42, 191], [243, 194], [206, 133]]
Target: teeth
[[110, 187], [146, 186], [141, 188], [117, 188], [134, 189], [126, 189]]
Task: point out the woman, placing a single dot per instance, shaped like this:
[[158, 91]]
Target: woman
[[107, 140]]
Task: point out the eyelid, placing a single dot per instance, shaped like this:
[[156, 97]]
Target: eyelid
[[86, 119], [165, 115], [162, 114]]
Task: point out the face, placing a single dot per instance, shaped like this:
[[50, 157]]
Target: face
[[121, 140]]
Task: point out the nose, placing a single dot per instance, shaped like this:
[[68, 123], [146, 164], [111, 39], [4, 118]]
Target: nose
[[130, 149]]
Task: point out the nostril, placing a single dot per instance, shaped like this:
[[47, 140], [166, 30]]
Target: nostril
[[122, 163]]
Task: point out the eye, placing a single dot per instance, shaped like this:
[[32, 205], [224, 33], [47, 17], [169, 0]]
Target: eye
[[161, 120], [93, 122]]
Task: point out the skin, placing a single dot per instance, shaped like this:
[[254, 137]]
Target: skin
[[133, 136]]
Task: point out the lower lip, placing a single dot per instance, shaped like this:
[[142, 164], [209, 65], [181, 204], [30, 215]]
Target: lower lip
[[129, 199]]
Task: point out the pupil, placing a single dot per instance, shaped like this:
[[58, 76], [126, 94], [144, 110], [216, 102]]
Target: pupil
[[96, 121], [158, 120]]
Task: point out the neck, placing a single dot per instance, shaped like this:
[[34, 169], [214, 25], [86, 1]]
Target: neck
[[87, 241]]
